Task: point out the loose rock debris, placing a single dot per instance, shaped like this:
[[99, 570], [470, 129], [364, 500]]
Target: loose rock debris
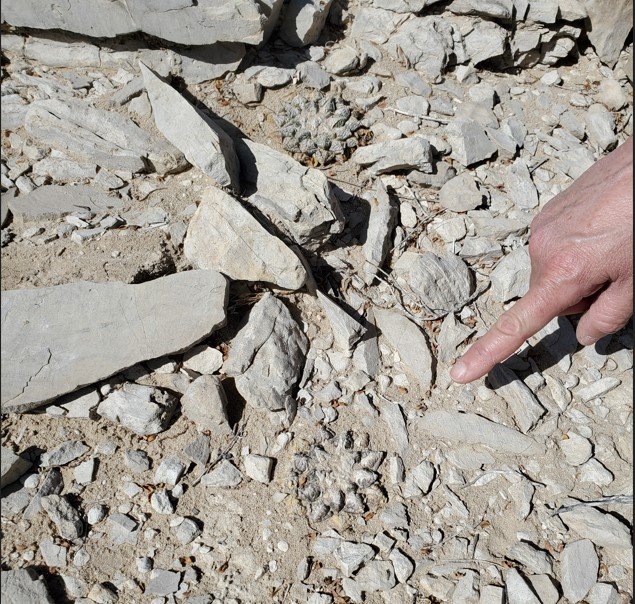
[[240, 254]]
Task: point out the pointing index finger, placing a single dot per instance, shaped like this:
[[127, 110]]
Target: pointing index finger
[[528, 316]]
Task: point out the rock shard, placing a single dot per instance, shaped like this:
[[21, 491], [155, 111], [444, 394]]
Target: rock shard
[[203, 143], [224, 236], [103, 137], [57, 339], [267, 356]]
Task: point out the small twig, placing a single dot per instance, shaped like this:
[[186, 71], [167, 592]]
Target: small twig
[[625, 499], [421, 117]]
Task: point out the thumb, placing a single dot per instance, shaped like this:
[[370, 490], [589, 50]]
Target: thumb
[[609, 313]]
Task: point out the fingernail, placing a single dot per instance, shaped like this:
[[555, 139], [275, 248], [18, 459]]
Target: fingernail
[[458, 371], [587, 340]]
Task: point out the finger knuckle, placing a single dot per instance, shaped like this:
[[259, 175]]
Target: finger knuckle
[[609, 323], [564, 266], [510, 325]]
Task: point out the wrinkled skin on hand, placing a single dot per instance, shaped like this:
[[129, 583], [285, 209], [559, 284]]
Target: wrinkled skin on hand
[[581, 250]]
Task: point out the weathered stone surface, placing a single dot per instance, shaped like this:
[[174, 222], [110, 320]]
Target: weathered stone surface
[[519, 185], [470, 143], [190, 23], [224, 236], [469, 428], [65, 517], [461, 193], [410, 342], [603, 529], [577, 449], [205, 404], [259, 467], [304, 21], [382, 220], [267, 356], [427, 44], [451, 335], [510, 277], [113, 326], [13, 466], [203, 143], [351, 556], [597, 388], [486, 41], [579, 566], [225, 475], [441, 284], [142, 409], [498, 9], [203, 359], [347, 330], [518, 589], [204, 63], [521, 400], [50, 202], [64, 453], [389, 156], [52, 484], [23, 586], [377, 575], [295, 198], [103, 137], [608, 26]]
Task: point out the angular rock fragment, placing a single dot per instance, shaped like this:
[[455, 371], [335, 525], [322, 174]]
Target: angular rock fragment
[[579, 566], [187, 531], [392, 415], [298, 199], [461, 193], [603, 593], [470, 143], [518, 590], [163, 583], [169, 471], [519, 185], [377, 575], [597, 389], [203, 143], [51, 485], [187, 22], [205, 404], [469, 428], [143, 410], [64, 453], [225, 475], [103, 137], [13, 466], [451, 335], [382, 221], [352, 556], [65, 517], [389, 156], [532, 558], [485, 41], [303, 21], [410, 342], [577, 449], [203, 359], [267, 356], [524, 405], [441, 284], [210, 62], [599, 527], [224, 236], [347, 331], [114, 326], [51, 202], [23, 586], [510, 277], [259, 467]]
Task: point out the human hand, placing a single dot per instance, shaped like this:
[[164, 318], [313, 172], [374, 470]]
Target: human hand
[[581, 250]]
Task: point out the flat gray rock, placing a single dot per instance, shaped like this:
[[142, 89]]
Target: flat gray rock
[[102, 137], [63, 515], [461, 193], [410, 342], [13, 466], [203, 143], [440, 284], [297, 199], [64, 453], [347, 330], [599, 527], [162, 583], [579, 565], [23, 586], [204, 63], [521, 400], [224, 236], [382, 221], [518, 590], [608, 26], [519, 185], [267, 355], [470, 143], [50, 202], [225, 476], [189, 23], [469, 428], [451, 335], [390, 156], [45, 354], [205, 404]]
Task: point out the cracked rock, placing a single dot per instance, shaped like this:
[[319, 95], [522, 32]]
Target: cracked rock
[[224, 236], [579, 566], [461, 193], [599, 527], [304, 21], [347, 331], [64, 516], [267, 355], [389, 156], [114, 327], [13, 466], [352, 556], [65, 453], [470, 144]]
